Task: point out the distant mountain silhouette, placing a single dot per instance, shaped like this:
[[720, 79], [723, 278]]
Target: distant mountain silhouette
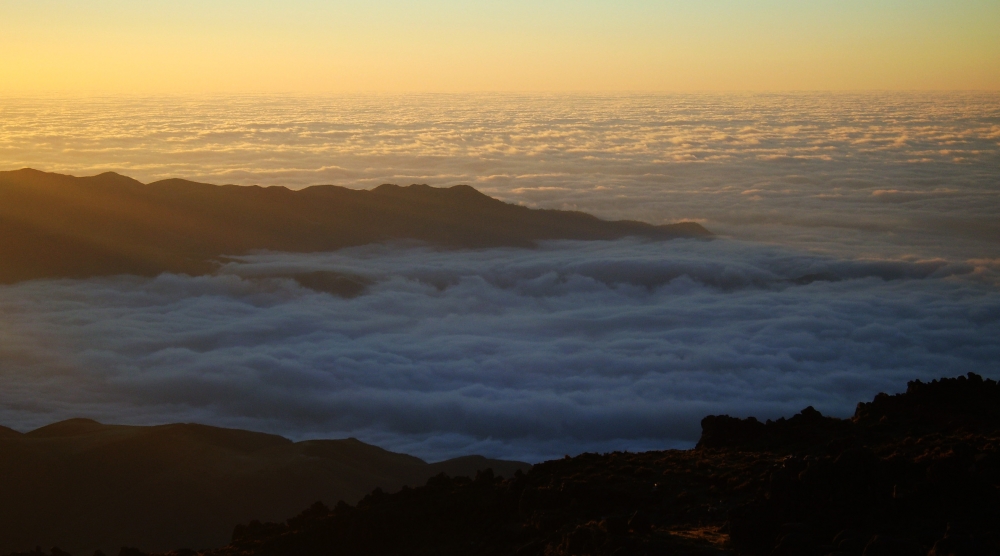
[[55, 225], [81, 485]]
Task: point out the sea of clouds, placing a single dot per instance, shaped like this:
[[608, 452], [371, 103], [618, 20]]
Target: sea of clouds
[[859, 248], [518, 353], [872, 174]]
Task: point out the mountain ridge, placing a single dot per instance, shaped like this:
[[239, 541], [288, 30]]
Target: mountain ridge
[[81, 485], [59, 226]]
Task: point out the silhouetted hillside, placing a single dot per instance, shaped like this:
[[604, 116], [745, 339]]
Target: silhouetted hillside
[[910, 475], [969, 404], [81, 485], [888, 482], [63, 226]]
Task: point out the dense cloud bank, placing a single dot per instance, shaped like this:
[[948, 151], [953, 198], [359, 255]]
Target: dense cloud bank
[[571, 347], [885, 204], [878, 174]]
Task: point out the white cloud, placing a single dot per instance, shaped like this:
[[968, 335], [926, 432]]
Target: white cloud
[[575, 346], [648, 157], [517, 353]]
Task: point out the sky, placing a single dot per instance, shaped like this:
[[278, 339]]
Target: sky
[[311, 46]]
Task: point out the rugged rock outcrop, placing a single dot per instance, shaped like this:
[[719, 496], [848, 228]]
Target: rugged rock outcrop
[[906, 474], [910, 475]]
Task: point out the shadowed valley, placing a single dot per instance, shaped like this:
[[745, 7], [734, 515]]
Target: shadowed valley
[[56, 226]]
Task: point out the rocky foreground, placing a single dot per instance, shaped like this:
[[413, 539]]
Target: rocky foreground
[[82, 485], [910, 474]]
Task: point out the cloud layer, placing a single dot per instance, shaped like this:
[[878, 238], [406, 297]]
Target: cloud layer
[[876, 174], [869, 257], [528, 354]]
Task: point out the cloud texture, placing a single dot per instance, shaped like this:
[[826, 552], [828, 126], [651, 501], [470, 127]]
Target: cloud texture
[[881, 174], [868, 257], [528, 354]]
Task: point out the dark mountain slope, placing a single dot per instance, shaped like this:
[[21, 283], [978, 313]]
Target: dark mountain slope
[[53, 225], [82, 485], [912, 474]]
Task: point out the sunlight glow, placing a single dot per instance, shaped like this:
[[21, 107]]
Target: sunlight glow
[[445, 45]]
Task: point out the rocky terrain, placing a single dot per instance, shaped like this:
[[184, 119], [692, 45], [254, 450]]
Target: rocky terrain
[[58, 226], [910, 474]]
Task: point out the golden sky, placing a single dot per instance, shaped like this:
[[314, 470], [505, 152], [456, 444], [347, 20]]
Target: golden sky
[[313, 46]]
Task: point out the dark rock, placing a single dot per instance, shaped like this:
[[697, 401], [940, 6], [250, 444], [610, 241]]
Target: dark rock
[[752, 528], [639, 522], [898, 487], [794, 539], [959, 542], [802, 429], [948, 404], [884, 545], [615, 525], [850, 541]]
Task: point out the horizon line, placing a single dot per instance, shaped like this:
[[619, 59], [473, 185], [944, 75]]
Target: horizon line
[[512, 92]]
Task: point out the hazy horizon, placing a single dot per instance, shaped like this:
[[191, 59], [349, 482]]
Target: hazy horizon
[[919, 162]]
